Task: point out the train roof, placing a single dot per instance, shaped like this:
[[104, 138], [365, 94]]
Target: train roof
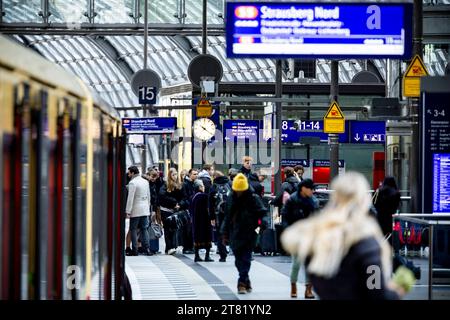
[[17, 57]]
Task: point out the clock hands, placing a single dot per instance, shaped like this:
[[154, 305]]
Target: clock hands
[[206, 130]]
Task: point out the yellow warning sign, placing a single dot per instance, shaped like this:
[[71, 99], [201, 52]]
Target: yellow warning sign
[[334, 112], [416, 68], [204, 108], [411, 79], [334, 121]]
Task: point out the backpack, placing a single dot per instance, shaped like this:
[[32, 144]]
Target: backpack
[[221, 198]]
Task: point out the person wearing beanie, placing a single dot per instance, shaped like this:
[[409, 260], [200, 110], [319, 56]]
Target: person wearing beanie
[[242, 211]]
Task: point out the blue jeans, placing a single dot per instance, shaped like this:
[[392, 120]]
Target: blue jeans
[[295, 268], [142, 224], [243, 262]]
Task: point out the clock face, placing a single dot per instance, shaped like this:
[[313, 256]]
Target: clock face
[[204, 129]]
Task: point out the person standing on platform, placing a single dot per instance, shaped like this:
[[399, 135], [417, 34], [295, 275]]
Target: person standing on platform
[[243, 210], [343, 246], [138, 209], [299, 171], [300, 205], [246, 169], [220, 191], [201, 221], [171, 199], [206, 176], [189, 191]]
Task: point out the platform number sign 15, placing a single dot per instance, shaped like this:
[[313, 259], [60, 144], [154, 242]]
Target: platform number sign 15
[[147, 95]]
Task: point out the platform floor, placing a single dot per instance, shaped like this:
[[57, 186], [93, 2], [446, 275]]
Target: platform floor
[[178, 277]]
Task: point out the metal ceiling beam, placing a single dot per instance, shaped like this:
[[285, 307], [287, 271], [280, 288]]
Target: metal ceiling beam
[[114, 56], [249, 88], [113, 29]]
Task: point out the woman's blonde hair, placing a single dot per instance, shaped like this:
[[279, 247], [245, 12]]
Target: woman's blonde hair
[[172, 183], [328, 236]]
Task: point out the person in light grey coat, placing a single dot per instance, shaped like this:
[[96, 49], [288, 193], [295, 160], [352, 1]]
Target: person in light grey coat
[[138, 209]]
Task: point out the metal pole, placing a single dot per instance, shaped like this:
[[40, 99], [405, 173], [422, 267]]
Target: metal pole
[[333, 138], [278, 120], [415, 165], [204, 26], [145, 33], [430, 263]]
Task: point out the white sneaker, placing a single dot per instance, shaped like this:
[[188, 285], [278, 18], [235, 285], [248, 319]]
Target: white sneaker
[[172, 251]]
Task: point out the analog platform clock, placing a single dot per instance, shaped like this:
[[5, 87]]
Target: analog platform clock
[[204, 129]]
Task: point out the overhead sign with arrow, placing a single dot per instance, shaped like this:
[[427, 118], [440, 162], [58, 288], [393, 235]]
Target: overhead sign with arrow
[[368, 131], [334, 121]]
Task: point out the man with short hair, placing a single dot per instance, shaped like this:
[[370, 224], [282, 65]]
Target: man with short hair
[[138, 209], [253, 180]]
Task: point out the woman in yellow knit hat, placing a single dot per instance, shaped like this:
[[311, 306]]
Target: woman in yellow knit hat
[[242, 212]]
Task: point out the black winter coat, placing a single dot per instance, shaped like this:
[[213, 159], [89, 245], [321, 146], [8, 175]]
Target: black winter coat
[[387, 203], [290, 185], [170, 199], [188, 190], [297, 208], [241, 220], [253, 181], [219, 181], [350, 283], [201, 221]]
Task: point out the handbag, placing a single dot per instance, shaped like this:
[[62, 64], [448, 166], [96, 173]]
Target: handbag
[[155, 231]]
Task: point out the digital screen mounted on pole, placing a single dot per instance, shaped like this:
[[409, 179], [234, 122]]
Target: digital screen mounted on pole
[[319, 30], [436, 152]]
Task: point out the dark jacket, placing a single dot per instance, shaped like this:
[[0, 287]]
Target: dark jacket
[[386, 204], [201, 220], [219, 181], [350, 283], [241, 220], [170, 199], [290, 186], [188, 190], [297, 208], [253, 181]]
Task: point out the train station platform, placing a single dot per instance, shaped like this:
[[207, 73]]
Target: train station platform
[[178, 277]]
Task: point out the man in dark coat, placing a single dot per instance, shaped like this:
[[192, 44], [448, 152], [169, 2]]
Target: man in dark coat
[[218, 196], [387, 201], [243, 210], [252, 177]]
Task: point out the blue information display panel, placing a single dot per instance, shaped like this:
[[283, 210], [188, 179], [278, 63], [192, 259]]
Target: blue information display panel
[[326, 163], [367, 131], [149, 125], [307, 128], [436, 152], [441, 179], [241, 129], [321, 30]]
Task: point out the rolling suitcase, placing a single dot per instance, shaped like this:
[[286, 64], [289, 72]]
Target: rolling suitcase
[[268, 239]]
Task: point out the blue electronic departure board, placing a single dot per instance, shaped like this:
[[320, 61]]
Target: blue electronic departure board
[[286, 29], [150, 125], [241, 130], [441, 186], [435, 152]]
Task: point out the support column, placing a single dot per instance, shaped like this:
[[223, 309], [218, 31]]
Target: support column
[[333, 138], [278, 120]]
